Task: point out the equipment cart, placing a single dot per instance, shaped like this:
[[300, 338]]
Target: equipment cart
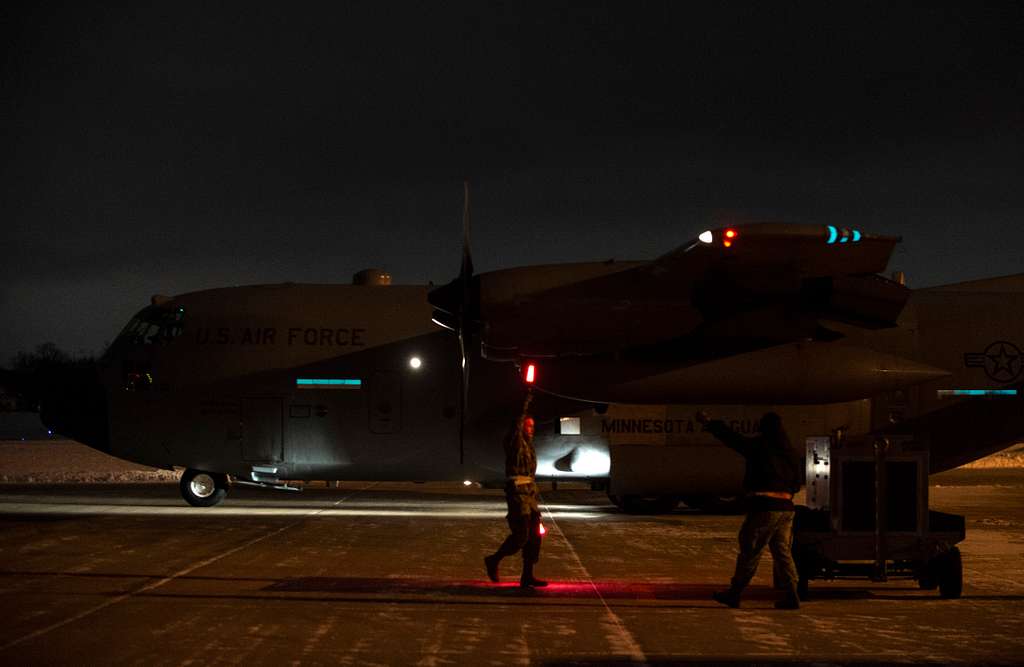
[[867, 516]]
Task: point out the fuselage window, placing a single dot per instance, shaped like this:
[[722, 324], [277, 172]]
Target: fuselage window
[[569, 426]]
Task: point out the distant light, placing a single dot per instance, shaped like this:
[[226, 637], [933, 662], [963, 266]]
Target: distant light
[[856, 235], [415, 362], [49, 432], [730, 233], [727, 244], [531, 373], [833, 234], [706, 237], [466, 482], [542, 530]]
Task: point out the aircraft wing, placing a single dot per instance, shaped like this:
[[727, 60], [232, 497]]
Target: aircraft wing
[[731, 289]]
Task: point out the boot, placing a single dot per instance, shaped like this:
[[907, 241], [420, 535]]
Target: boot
[[790, 601], [729, 598], [491, 563], [528, 580]]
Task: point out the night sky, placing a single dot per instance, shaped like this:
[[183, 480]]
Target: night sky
[[182, 146]]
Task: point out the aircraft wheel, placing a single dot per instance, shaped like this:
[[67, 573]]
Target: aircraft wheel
[[203, 489], [950, 570]]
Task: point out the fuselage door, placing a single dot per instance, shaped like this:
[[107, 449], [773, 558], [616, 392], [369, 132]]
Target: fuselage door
[[262, 429], [385, 403]]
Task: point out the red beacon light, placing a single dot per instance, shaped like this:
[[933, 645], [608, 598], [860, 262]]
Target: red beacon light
[[730, 234], [530, 374]]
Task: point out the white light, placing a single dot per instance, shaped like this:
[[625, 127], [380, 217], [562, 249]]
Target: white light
[[591, 462], [466, 482], [706, 237], [415, 362], [441, 324]]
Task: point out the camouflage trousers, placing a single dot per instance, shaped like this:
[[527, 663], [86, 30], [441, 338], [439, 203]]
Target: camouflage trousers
[[774, 530], [523, 522]]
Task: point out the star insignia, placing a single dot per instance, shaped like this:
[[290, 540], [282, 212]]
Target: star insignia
[[1003, 362]]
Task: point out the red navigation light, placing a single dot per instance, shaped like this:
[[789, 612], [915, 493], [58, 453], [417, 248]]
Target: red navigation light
[[542, 530], [531, 374]]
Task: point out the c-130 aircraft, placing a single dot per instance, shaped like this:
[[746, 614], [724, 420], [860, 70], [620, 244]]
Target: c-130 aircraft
[[372, 381]]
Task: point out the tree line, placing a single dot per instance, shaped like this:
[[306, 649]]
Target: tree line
[[27, 374]]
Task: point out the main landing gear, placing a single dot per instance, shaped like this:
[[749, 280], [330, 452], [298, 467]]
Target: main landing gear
[[203, 489]]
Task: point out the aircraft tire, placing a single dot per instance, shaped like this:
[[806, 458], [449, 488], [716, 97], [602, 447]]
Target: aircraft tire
[[203, 489], [950, 568]]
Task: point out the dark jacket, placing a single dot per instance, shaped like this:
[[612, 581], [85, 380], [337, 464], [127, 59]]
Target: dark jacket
[[772, 463]]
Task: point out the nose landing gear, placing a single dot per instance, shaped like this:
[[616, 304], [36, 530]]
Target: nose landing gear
[[203, 489]]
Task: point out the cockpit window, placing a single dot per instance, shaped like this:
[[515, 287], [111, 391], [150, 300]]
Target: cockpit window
[[154, 325]]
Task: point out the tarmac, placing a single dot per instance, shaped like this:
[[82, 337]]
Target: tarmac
[[391, 574]]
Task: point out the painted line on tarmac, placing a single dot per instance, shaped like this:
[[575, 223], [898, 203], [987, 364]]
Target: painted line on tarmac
[[627, 640], [180, 573]]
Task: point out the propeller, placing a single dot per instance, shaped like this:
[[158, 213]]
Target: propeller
[[455, 306]]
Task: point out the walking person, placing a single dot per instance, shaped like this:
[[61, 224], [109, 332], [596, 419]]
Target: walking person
[[774, 472], [523, 501]]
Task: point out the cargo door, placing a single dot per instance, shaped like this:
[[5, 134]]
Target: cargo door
[[262, 429]]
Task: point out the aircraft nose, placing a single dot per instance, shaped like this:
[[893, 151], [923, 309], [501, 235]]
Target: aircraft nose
[[74, 404]]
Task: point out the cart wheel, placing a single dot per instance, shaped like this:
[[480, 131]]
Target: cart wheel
[[802, 586], [804, 559], [927, 575], [926, 578], [950, 571]]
